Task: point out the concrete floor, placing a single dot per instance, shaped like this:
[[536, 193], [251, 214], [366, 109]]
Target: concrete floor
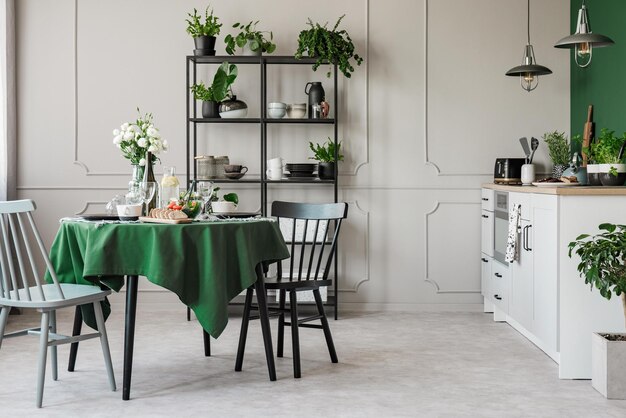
[[391, 365]]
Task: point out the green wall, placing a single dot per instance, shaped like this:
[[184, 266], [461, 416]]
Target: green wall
[[603, 83]]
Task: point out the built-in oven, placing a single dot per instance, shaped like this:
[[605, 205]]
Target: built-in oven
[[501, 226]]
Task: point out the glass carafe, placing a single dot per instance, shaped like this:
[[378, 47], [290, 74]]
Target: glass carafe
[[170, 186]]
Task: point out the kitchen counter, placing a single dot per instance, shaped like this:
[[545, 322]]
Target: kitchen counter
[[563, 191]]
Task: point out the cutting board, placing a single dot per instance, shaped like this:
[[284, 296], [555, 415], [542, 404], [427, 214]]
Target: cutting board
[[588, 133], [165, 221]]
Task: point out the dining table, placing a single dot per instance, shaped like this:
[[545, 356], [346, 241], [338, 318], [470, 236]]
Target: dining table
[[205, 263]]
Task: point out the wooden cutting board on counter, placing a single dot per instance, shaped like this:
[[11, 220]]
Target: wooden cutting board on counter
[[588, 133]]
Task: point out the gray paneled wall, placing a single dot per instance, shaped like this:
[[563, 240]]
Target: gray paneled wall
[[422, 120]]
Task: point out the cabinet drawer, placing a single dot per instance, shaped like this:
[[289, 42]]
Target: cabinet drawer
[[485, 275], [487, 233], [500, 286], [487, 199], [522, 199]]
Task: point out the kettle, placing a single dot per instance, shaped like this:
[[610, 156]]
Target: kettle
[[575, 169]]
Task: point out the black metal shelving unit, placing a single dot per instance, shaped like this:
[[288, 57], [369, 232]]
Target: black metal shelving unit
[[263, 121]]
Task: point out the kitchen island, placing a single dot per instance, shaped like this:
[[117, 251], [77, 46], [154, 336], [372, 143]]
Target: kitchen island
[[541, 294]]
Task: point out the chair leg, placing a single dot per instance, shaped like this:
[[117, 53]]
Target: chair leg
[[281, 324], [243, 334], [104, 342], [4, 317], [188, 314], [295, 335], [325, 326], [78, 324], [54, 365], [207, 343], [43, 353]]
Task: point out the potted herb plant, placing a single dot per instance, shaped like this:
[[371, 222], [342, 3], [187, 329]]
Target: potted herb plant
[[228, 203], [559, 150], [203, 33], [331, 46], [250, 40], [607, 153], [325, 155], [212, 95], [602, 266]]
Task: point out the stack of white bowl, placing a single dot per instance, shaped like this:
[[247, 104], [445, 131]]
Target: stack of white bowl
[[296, 110], [276, 110]]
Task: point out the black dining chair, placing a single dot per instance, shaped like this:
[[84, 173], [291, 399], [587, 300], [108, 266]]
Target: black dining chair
[[312, 240]]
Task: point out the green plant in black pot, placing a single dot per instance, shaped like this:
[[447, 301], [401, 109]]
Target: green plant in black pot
[[607, 152], [332, 46], [559, 151], [325, 155], [212, 95], [203, 33], [252, 41]]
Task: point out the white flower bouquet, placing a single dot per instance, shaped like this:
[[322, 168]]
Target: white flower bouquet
[[139, 137]]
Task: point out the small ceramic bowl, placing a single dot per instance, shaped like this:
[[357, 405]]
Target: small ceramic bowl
[[276, 113], [296, 112], [277, 105], [238, 113], [129, 212], [223, 207]]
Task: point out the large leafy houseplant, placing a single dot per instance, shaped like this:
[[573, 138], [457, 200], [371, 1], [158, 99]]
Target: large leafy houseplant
[[332, 46], [220, 88], [249, 35], [602, 260]]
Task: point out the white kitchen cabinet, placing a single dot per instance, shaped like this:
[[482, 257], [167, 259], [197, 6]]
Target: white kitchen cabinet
[[541, 294], [487, 233], [485, 275], [521, 295]]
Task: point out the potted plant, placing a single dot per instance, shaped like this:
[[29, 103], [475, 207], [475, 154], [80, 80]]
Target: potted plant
[[602, 266], [203, 33], [607, 153], [559, 151], [250, 40], [328, 46], [325, 155], [228, 203], [212, 95]]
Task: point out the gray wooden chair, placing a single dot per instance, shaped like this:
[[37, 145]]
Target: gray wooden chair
[[17, 229]]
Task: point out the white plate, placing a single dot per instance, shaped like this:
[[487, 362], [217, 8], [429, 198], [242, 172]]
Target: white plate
[[555, 184]]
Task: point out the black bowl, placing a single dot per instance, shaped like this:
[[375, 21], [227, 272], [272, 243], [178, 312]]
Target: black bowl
[[608, 179]]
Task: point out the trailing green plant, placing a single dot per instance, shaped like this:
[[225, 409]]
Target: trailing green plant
[[220, 88], [602, 260], [332, 46], [606, 148], [248, 33], [325, 153], [210, 27], [558, 147]]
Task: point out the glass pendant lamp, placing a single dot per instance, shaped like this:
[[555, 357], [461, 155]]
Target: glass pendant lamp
[[529, 71], [584, 41]]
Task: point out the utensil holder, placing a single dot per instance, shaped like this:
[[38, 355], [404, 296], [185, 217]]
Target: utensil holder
[[528, 174]]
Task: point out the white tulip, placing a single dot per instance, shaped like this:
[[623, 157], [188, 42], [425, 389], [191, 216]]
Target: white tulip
[[152, 132], [152, 149], [116, 132], [128, 135], [124, 126], [142, 162], [165, 144], [117, 139], [142, 142]]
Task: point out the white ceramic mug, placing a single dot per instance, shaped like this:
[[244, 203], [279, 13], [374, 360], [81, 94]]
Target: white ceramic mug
[[274, 173], [275, 163], [528, 174]]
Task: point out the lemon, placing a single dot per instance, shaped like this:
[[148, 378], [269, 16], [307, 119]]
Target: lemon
[[170, 181]]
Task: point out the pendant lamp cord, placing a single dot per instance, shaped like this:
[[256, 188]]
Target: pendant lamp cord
[[528, 22]]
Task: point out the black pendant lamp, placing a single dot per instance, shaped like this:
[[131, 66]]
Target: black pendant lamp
[[529, 71], [583, 41]]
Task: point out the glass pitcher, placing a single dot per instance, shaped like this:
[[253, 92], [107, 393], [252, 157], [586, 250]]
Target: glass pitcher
[[170, 186]]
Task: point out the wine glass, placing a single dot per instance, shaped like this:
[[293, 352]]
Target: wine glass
[[205, 191], [146, 191]]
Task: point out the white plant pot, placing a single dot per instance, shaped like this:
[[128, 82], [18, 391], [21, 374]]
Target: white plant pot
[[608, 362], [605, 168], [223, 207]]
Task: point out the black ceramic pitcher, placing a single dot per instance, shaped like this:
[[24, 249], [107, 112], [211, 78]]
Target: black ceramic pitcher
[[316, 94]]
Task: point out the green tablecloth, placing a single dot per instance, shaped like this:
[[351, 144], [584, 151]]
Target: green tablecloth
[[206, 264]]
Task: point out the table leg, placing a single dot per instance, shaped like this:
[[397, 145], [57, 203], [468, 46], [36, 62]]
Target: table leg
[[207, 343], [129, 333], [78, 324], [259, 286]]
